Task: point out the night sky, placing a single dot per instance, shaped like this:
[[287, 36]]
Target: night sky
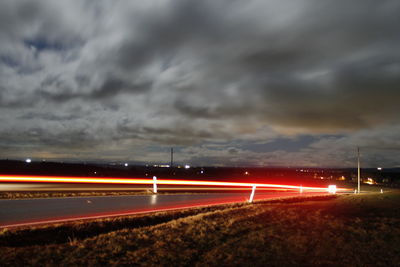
[[233, 83]]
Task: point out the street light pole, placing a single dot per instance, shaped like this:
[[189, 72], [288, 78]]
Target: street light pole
[[358, 166]]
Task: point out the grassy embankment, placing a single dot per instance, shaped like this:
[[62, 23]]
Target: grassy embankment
[[352, 230]]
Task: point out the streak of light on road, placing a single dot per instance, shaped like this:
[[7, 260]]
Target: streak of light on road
[[128, 181], [26, 212]]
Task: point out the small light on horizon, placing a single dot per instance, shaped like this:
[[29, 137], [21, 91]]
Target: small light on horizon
[[187, 166], [379, 168], [28, 160], [126, 164]]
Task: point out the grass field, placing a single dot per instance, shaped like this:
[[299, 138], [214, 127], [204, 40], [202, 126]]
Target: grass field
[[348, 230]]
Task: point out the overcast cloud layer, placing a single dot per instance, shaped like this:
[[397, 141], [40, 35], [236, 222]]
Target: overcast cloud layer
[[225, 82]]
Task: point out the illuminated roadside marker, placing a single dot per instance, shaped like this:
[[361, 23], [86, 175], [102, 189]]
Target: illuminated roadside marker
[[253, 190], [155, 184], [332, 189], [381, 191], [355, 191]]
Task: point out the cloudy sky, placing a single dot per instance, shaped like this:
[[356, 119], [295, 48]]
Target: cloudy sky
[[263, 82]]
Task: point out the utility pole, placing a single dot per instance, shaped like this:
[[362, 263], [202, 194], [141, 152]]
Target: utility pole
[[358, 166], [172, 157]]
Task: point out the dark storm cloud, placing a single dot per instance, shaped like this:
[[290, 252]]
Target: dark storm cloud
[[164, 31], [60, 91], [178, 135], [187, 72], [48, 117], [359, 95], [114, 86], [37, 137], [195, 112], [279, 60]]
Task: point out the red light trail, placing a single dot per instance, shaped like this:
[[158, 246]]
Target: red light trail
[[110, 180]]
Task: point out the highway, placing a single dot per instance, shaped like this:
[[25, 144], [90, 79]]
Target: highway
[[24, 212]]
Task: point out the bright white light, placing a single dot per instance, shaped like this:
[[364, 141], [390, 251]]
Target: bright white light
[[126, 164], [187, 166], [379, 168], [201, 172], [153, 200], [155, 184], [246, 173], [332, 189], [163, 166], [252, 194], [28, 160]]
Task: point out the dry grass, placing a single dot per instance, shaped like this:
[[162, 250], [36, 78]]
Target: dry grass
[[352, 230]]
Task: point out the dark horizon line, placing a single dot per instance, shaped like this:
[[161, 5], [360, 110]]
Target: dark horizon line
[[151, 164]]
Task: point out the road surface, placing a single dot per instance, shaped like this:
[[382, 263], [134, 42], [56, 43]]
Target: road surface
[[22, 212]]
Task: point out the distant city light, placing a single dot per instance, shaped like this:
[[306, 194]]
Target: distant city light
[[370, 181], [187, 166], [201, 172], [126, 164], [246, 173], [28, 160], [379, 168], [161, 166]]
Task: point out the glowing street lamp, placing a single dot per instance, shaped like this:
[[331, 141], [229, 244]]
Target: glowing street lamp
[[28, 160]]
